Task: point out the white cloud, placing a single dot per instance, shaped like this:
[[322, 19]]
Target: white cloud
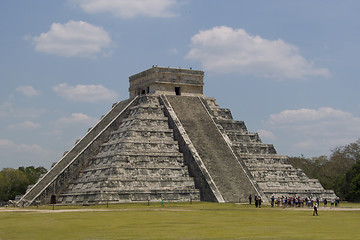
[[77, 118], [313, 130], [13, 154], [27, 125], [28, 91], [73, 39], [20, 148], [7, 110], [85, 93], [173, 51], [316, 119], [223, 49], [266, 134], [129, 9]]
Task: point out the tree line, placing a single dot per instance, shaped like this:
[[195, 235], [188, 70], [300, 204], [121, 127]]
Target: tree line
[[339, 172], [15, 181]]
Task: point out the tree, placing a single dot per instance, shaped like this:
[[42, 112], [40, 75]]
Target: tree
[[351, 184], [33, 173], [340, 172], [15, 181]]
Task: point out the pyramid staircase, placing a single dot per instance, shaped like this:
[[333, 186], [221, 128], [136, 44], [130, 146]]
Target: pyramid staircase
[[271, 172]]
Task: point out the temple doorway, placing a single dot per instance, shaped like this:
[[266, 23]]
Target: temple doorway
[[177, 91], [53, 199]]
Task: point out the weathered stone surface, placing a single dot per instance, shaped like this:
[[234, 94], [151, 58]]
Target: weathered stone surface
[[271, 172], [169, 81], [158, 146]]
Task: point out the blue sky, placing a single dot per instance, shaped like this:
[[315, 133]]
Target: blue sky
[[289, 69]]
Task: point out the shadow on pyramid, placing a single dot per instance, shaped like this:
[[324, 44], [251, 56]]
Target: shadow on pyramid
[[168, 142]]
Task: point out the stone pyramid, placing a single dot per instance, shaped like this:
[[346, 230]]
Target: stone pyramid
[[168, 142]]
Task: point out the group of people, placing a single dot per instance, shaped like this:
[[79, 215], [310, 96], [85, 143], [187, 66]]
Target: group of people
[[257, 200], [301, 201], [285, 201]]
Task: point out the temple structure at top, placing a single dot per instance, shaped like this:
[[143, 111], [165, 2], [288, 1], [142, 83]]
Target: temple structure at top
[[168, 81], [169, 142]]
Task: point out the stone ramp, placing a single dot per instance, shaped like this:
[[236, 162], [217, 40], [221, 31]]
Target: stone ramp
[[70, 164], [218, 158]]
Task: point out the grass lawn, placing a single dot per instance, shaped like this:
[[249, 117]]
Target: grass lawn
[[179, 221]]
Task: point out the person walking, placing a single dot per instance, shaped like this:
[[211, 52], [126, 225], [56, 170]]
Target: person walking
[[315, 209], [250, 198], [259, 201]]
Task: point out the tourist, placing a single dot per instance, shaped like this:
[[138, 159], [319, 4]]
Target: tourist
[[325, 202], [337, 202], [259, 201], [332, 202], [315, 209], [284, 202], [250, 198], [272, 200]]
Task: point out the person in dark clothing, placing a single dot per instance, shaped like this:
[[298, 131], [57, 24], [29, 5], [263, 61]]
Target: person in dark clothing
[[256, 201], [259, 201], [315, 209], [250, 198], [272, 200]]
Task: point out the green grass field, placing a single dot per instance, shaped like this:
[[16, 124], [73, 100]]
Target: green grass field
[[179, 221]]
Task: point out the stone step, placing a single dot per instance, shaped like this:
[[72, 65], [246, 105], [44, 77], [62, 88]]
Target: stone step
[[239, 137], [126, 183], [136, 153], [132, 196], [230, 125], [221, 164], [143, 118], [130, 172], [137, 141], [136, 132], [139, 146]]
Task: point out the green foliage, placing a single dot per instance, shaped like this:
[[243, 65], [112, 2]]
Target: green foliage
[[15, 181], [340, 172], [351, 185]]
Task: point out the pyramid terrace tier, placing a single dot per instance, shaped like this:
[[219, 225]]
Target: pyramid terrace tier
[[147, 120], [134, 172], [112, 155], [96, 170], [233, 125], [263, 158], [278, 176], [157, 142], [134, 156], [290, 186], [238, 136], [144, 133], [132, 196], [137, 146], [126, 182], [253, 148]]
